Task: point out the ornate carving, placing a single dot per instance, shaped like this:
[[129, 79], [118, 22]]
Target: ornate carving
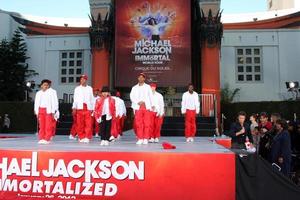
[[101, 32], [211, 28]]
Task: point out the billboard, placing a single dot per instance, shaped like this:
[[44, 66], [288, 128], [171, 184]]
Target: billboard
[[153, 37]]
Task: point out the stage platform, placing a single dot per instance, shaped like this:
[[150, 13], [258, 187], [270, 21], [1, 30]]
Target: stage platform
[[67, 169], [125, 144]]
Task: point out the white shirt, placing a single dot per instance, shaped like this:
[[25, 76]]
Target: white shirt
[[46, 99], [118, 106], [83, 95], [141, 93], [190, 102], [94, 101], [159, 104], [123, 107], [105, 109]]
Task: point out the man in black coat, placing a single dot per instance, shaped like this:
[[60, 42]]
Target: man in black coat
[[239, 131]]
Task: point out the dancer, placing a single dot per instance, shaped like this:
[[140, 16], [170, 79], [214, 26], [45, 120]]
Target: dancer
[[105, 112], [115, 127], [44, 109], [157, 114], [55, 109], [83, 107], [123, 114], [142, 103], [190, 107], [95, 124]]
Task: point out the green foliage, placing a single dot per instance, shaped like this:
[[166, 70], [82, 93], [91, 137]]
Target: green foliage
[[228, 94], [13, 68]]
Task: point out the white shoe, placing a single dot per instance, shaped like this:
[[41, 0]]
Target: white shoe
[[151, 140], [119, 137], [86, 140], [145, 141], [82, 140], [156, 140], [188, 139], [102, 143], [191, 139], [41, 142], [139, 142], [96, 135], [71, 137], [106, 142], [112, 138]]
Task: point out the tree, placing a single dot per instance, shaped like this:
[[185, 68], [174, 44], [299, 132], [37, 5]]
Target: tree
[[228, 94], [14, 71]]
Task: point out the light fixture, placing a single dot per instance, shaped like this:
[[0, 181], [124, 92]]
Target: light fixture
[[293, 87], [28, 84], [292, 84]]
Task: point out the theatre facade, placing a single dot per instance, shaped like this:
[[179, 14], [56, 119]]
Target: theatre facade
[[174, 44]]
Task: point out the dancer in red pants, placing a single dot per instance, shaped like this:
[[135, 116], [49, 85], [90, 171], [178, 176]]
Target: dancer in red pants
[[83, 107], [157, 114], [73, 132], [95, 124], [44, 109], [123, 112], [142, 103], [54, 108], [190, 106], [115, 126]]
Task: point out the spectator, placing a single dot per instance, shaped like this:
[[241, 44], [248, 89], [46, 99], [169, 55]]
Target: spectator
[[1, 123], [281, 147], [239, 130], [6, 123], [274, 118], [265, 137], [254, 129], [297, 136], [292, 129]]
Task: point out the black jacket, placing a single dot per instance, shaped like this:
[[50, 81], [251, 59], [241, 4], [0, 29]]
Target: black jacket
[[240, 139]]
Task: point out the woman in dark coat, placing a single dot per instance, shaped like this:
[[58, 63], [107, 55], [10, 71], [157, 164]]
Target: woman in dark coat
[[281, 147]]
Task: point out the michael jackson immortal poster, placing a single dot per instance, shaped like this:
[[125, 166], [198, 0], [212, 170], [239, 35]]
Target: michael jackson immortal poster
[[154, 37]]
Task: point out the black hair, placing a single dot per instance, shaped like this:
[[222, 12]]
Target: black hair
[[45, 81], [264, 114], [242, 113], [282, 123]]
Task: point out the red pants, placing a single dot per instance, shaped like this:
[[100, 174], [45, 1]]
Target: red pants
[[122, 121], [190, 123], [74, 124], [115, 127], [84, 123], [45, 124], [95, 126], [54, 122], [156, 126], [142, 120]]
